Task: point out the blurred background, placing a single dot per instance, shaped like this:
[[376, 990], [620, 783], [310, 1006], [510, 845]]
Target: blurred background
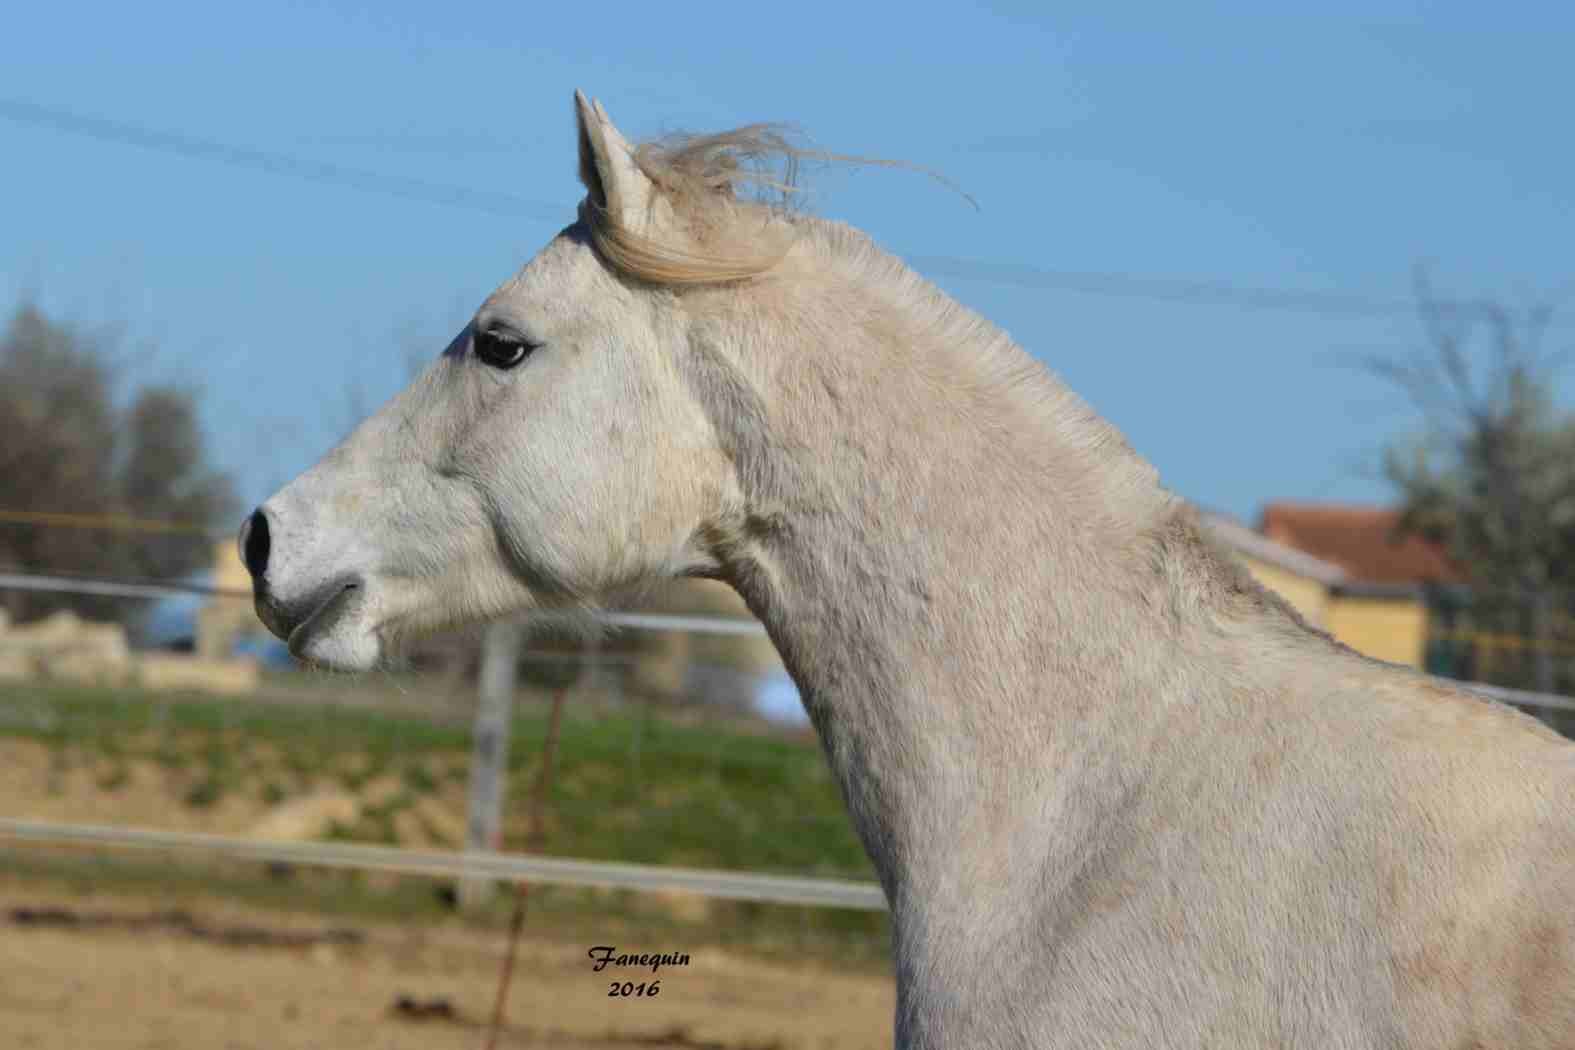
[[1315, 267]]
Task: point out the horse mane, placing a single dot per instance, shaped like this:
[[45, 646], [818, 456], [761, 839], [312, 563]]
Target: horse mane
[[734, 216], [722, 235], [719, 235]]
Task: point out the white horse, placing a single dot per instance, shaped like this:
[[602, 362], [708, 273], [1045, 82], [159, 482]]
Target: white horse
[[1117, 793]]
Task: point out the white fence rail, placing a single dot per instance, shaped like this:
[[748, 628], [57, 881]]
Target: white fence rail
[[634, 621], [1513, 696], [473, 864], [137, 589], [729, 885]]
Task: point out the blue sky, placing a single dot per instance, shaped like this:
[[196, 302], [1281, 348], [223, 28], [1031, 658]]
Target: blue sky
[[1327, 153]]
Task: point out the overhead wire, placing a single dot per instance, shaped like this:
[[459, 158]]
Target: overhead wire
[[1011, 274]]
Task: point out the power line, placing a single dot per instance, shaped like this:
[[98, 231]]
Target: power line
[[1020, 275], [273, 163], [1165, 289]]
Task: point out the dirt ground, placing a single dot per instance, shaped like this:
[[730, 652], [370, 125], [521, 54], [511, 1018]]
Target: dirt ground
[[118, 973]]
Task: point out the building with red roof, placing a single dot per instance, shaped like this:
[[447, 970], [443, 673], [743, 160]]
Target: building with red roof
[[1348, 570], [1364, 541]]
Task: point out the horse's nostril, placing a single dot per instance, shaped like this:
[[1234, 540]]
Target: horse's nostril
[[254, 544]]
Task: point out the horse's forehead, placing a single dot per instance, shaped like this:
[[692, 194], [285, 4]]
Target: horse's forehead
[[566, 254], [553, 271]]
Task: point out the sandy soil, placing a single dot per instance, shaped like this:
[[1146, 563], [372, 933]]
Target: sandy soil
[[111, 973]]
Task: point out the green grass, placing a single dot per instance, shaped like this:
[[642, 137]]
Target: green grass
[[628, 786]]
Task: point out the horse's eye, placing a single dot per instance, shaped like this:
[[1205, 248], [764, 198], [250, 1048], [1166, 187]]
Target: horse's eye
[[500, 350]]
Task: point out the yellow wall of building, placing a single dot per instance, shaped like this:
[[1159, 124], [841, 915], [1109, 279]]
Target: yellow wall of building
[[1393, 629], [1308, 597], [229, 574], [229, 615]]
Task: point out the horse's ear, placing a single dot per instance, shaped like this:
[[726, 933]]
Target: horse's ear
[[607, 168]]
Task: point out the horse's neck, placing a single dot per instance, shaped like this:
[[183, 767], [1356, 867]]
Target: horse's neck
[[947, 699], [964, 587]]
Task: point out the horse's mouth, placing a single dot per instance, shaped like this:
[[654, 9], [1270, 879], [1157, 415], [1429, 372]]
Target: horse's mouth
[[328, 626], [324, 617]]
